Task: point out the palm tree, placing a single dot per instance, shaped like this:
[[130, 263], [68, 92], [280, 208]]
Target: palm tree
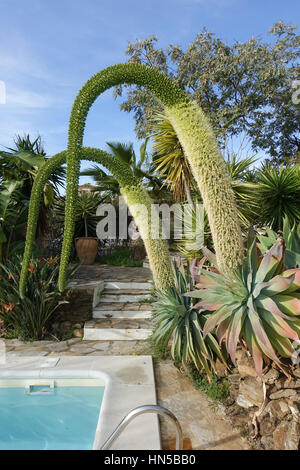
[[20, 165], [141, 169], [169, 159]]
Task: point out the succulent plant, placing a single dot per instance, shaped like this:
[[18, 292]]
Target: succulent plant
[[291, 235], [178, 325], [135, 194], [259, 307]]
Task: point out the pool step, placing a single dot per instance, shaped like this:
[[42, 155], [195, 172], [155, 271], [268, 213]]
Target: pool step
[[117, 329]]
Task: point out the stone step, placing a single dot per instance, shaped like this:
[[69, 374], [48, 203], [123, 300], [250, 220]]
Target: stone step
[[123, 297], [113, 334], [119, 323], [97, 313], [124, 306], [116, 329], [126, 292], [128, 285]]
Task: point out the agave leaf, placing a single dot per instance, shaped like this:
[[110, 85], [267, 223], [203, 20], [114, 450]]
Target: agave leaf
[[271, 263], [234, 331], [216, 318], [210, 256], [222, 329], [296, 283], [253, 346], [278, 324], [267, 303], [283, 345], [260, 334], [250, 265], [292, 258], [276, 285], [214, 346], [288, 304]]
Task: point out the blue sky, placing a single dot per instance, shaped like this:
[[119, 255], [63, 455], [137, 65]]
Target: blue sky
[[49, 49]]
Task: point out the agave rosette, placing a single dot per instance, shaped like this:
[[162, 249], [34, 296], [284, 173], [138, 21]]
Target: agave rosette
[[259, 306], [179, 326]]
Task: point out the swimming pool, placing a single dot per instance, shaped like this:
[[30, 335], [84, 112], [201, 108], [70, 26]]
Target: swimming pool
[[49, 414], [123, 382]]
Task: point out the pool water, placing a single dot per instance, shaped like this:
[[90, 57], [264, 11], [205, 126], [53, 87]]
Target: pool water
[[66, 418]]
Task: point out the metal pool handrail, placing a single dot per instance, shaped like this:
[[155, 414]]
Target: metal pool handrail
[[141, 410]]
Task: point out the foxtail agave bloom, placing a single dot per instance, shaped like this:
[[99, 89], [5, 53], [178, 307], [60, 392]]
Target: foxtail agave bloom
[[260, 307]]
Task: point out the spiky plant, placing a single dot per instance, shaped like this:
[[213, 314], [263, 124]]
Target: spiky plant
[[198, 142], [244, 190], [169, 158], [157, 249], [291, 236], [259, 308], [179, 326], [278, 195]]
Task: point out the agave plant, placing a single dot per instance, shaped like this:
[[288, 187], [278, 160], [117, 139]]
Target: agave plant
[[179, 325], [291, 235], [260, 307], [278, 195]]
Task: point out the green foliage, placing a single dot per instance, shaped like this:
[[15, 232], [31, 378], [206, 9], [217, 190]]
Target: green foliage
[[260, 307], [291, 236], [169, 159], [278, 195], [216, 388], [120, 257], [18, 169], [178, 326], [159, 257], [29, 317], [244, 87], [245, 191], [85, 218]]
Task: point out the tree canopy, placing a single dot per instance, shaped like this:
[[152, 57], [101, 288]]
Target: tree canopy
[[245, 88]]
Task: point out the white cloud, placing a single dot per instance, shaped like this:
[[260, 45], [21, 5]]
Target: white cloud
[[26, 99]]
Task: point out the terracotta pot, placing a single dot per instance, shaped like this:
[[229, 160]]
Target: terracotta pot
[[86, 249]]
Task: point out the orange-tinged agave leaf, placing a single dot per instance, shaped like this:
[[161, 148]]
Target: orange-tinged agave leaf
[[271, 263], [283, 345], [253, 347], [260, 334], [276, 285], [215, 318], [289, 304], [222, 329], [234, 332], [296, 283], [279, 325], [268, 303]]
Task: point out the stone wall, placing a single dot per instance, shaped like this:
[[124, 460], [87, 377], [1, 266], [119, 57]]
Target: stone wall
[[75, 313], [267, 409]]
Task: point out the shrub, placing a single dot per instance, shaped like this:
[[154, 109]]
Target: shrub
[[29, 317]]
